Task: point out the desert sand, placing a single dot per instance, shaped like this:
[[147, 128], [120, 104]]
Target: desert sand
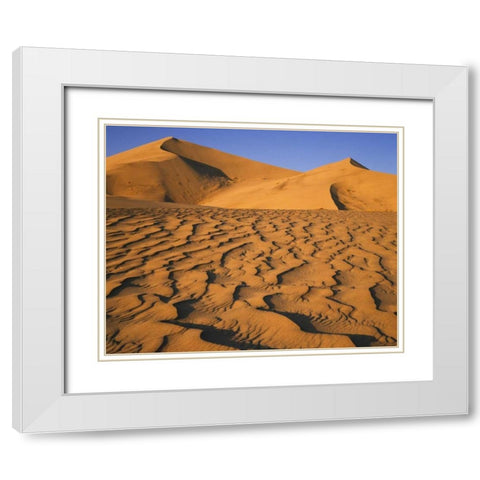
[[208, 251]]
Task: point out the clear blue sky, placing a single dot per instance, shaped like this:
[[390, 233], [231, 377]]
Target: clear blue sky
[[298, 150]]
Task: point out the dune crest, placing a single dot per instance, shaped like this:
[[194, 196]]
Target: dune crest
[[235, 167]]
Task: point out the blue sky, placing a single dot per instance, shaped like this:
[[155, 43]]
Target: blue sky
[[298, 150]]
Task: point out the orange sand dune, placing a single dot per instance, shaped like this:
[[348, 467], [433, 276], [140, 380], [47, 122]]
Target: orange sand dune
[[343, 185], [172, 170], [150, 173]]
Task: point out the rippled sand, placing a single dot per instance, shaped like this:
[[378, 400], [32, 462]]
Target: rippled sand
[[193, 278]]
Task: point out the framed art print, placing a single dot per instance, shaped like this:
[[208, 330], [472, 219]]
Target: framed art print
[[218, 240]]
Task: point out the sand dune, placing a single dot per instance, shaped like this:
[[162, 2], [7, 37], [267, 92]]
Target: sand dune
[[172, 170], [343, 185], [152, 174], [209, 251]]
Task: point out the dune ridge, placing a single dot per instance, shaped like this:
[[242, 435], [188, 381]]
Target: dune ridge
[[235, 167]]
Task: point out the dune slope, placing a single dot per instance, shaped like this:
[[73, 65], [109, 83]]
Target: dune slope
[[171, 170], [343, 185], [235, 167]]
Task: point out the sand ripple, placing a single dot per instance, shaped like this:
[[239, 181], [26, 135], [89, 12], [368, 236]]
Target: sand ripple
[[183, 279]]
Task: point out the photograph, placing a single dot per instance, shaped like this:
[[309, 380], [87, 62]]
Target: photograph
[[234, 239]]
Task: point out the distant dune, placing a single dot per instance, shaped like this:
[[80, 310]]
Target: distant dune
[[172, 170], [343, 185]]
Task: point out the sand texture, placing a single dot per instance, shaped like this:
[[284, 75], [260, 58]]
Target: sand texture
[[207, 251]]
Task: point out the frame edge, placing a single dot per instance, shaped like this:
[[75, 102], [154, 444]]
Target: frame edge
[[452, 100], [17, 350]]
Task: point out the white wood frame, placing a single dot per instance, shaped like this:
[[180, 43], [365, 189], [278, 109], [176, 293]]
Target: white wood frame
[[39, 402]]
